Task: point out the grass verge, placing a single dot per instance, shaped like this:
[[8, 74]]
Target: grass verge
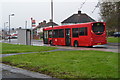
[[14, 48], [113, 39], [69, 64], [0, 48]]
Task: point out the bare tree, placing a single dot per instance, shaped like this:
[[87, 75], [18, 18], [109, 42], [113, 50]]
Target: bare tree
[[110, 13]]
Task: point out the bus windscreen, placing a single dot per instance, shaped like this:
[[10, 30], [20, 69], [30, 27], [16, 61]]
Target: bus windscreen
[[98, 28]]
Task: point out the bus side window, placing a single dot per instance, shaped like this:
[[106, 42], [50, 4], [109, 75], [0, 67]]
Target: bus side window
[[75, 32], [55, 33], [50, 33], [83, 31], [61, 33]]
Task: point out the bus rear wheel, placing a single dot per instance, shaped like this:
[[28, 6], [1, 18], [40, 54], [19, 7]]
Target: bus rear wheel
[[76, 44]]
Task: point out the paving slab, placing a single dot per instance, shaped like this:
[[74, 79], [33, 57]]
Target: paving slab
[[14, 72]]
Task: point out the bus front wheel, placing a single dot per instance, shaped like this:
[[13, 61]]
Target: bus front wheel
[[76, 44], [51, 43]]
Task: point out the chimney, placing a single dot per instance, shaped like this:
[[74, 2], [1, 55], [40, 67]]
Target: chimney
[[79, 12], [44, 22], [50, 20], [39, 23]]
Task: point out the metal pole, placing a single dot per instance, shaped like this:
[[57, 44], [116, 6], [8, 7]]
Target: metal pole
[[52, 18], [31, 31], [52, 11], [4, 26], [4, 31], [9, 29], [25, 24]]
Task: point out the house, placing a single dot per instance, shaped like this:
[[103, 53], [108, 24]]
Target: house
[[39, 29], [13, 31], [77, 19], [1, 34]]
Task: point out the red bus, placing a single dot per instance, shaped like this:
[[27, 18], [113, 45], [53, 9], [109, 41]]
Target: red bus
[[84, 34]]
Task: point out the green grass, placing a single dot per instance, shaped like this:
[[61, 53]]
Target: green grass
[[69, 64], [14, 48], [113, 39], [0, 48]]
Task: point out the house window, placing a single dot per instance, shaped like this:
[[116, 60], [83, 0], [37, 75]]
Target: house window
[[61, 33], [83, 31], [75, 32]]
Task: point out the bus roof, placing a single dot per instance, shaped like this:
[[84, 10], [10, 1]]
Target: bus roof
[[47, 28]]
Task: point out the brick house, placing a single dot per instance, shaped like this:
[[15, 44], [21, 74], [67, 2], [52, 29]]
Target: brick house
[[39, 29], [77, 19]]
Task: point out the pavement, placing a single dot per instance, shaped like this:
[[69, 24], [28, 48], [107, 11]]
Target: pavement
[[22, 73], [10, 72], [5, 55]]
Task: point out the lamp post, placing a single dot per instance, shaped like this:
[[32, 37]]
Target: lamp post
[[52, 18], [9, 26], [31, 30], [4, 32]]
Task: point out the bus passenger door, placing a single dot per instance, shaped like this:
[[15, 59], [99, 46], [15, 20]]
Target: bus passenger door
[[45, 37], [67, 37]]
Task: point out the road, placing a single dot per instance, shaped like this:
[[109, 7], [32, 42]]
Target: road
[[112, 47]]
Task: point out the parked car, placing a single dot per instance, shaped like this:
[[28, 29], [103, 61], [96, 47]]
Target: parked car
[[7, 37], [117, 34], [14, 37]]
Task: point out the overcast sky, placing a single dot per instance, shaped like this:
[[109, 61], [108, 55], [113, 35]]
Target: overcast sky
[[40, 10]]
